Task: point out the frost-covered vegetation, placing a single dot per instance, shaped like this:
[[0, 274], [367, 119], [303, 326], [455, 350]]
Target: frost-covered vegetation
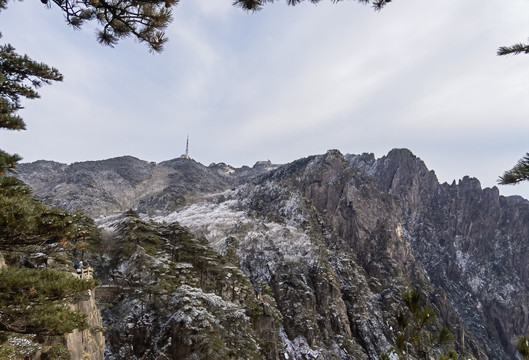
[[279, 242], [263, 238], [179, 297]]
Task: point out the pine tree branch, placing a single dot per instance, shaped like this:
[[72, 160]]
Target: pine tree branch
[[519, 173], [256, 5], [144, 19], [516, 49], [8, 162]]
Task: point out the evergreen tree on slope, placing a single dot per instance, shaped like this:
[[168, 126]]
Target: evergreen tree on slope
[[33, 300], [19, 78]]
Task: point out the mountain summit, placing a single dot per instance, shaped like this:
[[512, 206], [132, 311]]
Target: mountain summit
[[329, 257]]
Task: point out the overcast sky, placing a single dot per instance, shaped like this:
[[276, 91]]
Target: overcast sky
[[286, 83]]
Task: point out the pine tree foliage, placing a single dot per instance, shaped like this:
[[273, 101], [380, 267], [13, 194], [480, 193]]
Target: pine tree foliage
[[523, 346], [33, 301], [450, 355], [36, 300], [519, 173], [20, 77], [146, 20], [515, 49], [255, 5], [8, 162], [416, 329], [26, 221]]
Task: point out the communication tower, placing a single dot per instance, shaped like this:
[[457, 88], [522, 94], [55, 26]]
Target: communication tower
[[186, 155]]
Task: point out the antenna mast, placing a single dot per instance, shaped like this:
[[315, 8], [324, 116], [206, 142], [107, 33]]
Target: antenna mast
[[186, 155]]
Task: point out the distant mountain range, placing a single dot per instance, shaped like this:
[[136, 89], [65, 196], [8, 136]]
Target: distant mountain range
[[328, 243], [112, 186]]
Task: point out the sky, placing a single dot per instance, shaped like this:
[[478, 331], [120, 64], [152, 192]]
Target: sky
[[286, 83]]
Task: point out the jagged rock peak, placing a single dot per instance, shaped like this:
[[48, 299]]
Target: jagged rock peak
[[222, 168], [330, 156], [264, 165], [364, 161], [399, 173], [470, 183], [405, 160], [395, 159]]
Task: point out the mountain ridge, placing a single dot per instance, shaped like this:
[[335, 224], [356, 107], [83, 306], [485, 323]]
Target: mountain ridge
[[118, 189], [385, 224]]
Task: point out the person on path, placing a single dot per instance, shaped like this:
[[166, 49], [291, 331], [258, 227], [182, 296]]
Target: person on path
[[77, 266]]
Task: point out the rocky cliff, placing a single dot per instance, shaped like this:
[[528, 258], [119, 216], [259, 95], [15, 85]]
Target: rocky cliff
[[36, 339], [311, 259], [41, 299], [471, 243], [88, 344]]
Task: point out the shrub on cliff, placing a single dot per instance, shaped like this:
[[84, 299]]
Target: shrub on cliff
[[35, 301]]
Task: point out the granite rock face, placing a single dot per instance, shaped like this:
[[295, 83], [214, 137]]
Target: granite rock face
[[470, 241], [87, 344], [327, 245]]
